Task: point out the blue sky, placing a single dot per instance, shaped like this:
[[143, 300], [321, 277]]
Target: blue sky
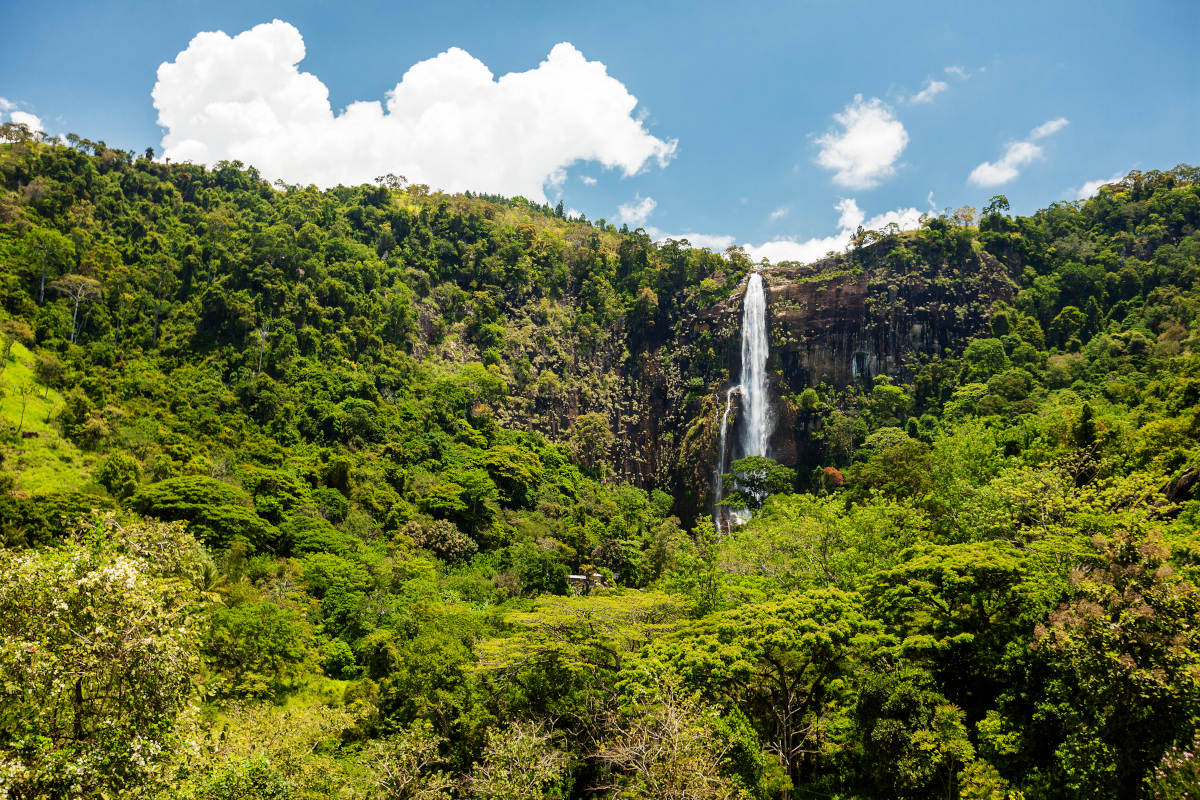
[[746, 127]]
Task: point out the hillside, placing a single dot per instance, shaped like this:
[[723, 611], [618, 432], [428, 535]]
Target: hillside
[[340, 454]]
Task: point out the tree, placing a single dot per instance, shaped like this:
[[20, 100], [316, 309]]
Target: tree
[[591, 439], [263, 334], [668, 748], [402, 766], [52, 248], [1067, 325], [783, 663], [119, 473], [266, 752], [755, 478], [897, 466], [25, 390], [839, 431], [256, 649], [958, 607], [97, 648], [520, 762], [914, 741], [165, 282], [809, 400], [1123, 654], [998, 204], [982, 359], [586, 634], [49, 371], [442, 537], [11, 332], [81, 289]]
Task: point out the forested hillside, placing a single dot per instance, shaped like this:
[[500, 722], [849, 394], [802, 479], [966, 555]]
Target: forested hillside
[[379, 492]]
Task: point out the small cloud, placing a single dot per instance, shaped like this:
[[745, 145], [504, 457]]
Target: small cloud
[[958, 71], [635, 213], [1008, 167], [930, 200], [1016, 155], [932, 89], [1091, 187], [851, 216], [715, 242], [1047, 128], [588, 180], [778, 214], [865, 150], [31, 121]]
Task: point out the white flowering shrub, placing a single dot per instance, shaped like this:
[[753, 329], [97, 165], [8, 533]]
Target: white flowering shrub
[[96, 658]]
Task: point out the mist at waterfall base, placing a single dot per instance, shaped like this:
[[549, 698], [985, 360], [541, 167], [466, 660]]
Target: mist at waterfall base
[[756, 419]]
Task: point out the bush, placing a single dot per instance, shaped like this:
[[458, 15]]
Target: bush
[[119, 473], [442, 537], [540, 572], [215, 512], [338, 661], [313, 535]]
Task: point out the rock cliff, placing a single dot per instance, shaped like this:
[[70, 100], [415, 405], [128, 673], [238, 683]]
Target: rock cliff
[[843, 321]]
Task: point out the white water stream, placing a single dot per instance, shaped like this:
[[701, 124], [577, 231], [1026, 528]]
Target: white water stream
[[755, 402], [757, 422]]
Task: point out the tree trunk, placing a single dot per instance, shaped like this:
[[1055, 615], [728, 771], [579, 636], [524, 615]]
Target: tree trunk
[[42, 291], [75, 320]]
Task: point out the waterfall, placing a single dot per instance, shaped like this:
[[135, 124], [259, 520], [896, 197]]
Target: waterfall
[[757, 423], [719, 480], [757, 430]]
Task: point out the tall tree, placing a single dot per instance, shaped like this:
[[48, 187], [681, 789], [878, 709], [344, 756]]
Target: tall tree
[[80, 289]]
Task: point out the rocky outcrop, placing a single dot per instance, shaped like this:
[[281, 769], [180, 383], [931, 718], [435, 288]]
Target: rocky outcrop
[[848, 319]]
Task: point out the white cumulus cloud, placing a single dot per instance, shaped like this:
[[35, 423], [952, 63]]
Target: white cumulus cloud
[[448, 122], [636, 212], [588, 180], [778, 214], [715, 242], [31, 121], [865, 150], [932, 89], [1016, 155], [957, 70], [849, 218], [1091, 187]]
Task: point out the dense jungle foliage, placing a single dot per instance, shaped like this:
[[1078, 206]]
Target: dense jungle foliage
[[312, 494]]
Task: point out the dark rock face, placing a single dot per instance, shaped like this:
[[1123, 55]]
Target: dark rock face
[[841, 321], [848, 327]]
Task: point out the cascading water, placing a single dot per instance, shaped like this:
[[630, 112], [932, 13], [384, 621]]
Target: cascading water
[[719, 480], [757, 430], [756, 404]]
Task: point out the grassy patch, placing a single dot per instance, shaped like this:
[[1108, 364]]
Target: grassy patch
[[46, 462]]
